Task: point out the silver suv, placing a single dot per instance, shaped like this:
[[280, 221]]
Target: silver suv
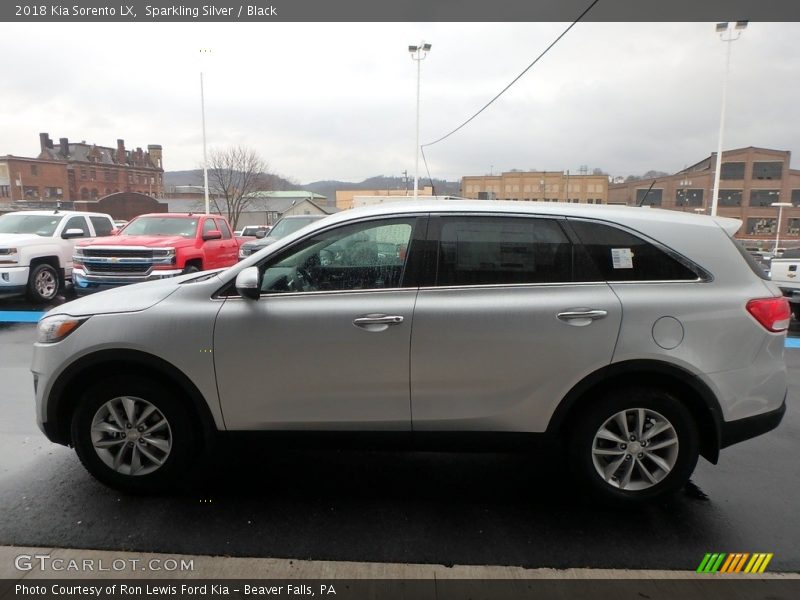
[[638, 338]]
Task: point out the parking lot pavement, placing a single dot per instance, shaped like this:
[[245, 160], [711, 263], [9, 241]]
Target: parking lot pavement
[[256, 500]]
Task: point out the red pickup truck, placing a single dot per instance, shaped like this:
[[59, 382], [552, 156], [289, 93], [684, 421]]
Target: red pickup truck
[[154, 246]]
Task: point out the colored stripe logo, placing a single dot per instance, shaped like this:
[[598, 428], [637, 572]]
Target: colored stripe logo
[[738, 562]]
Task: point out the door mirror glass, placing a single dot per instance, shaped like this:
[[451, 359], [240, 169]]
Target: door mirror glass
[[248, 284], [72, 233]]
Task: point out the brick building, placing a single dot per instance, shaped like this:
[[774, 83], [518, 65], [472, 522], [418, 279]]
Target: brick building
[[547, 186], [751, 179], [80, 171]]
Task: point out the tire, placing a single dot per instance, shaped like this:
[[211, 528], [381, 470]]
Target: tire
[[153, 457], [795, 311], [656, 465], [43, 283], [190, 269]]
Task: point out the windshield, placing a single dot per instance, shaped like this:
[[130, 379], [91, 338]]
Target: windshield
[[162, 226], [287, 226], [44, 225]]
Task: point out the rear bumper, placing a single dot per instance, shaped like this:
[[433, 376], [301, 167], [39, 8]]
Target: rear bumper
[[733, 432]]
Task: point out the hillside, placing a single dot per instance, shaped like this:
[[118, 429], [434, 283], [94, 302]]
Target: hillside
[[326, 188]]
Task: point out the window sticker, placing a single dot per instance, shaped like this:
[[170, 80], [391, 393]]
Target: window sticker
[[622, 258]]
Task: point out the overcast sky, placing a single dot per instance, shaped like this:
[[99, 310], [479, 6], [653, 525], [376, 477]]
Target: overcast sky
[[337, 101]]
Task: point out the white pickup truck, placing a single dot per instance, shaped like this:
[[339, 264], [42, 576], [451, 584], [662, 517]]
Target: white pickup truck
[[36, 249], [785, 273]]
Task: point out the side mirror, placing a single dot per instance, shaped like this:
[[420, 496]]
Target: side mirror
[[72, 233], [214, 234], [260, 233], [247, 283], [115, 231]]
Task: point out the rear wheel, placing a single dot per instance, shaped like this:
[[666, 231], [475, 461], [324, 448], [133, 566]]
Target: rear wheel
[[634, 445], [133, 434], [43, 283]]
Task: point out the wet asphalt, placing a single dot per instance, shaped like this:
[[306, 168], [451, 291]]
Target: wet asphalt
[[255, 499]]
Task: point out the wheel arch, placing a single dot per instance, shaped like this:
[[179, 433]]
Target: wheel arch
[[691, 391], [66, 391], [51, 260]]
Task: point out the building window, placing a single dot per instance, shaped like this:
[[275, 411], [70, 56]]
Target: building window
[[730, 197], [689, 197], [653, 198], [92, 175], [767, 170], [83, 174], [34, 169], [764, 197], [84, 194], [793, 227], [795, 197], [54, 192], [761, 226], [732, 170], [110, 175], [5, 191], [30, 192], [94, 193]]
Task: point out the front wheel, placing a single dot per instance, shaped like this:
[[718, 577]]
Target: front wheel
[[43, 283], [634, 445], [133, 434]]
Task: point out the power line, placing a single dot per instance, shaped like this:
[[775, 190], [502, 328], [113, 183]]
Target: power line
[[546, 50]]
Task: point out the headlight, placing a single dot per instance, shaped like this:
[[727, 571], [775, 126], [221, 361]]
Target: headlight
[[7, 251], [56, 328], [162, 252], [243, 252], [78, 252]]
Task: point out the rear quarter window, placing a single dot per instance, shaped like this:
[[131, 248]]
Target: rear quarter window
[[623, 256]]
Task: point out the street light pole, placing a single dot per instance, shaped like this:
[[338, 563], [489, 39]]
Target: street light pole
[[203, 117], [418, 53], [780, 206], [722, 29]]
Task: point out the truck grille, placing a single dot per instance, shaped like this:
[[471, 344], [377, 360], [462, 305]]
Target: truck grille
[[121, 253]]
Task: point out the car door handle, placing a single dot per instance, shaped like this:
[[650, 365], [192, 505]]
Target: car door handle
[[582, 316], [367, 320]]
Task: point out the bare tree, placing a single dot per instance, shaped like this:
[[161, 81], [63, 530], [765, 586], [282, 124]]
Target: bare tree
[[234, 173]]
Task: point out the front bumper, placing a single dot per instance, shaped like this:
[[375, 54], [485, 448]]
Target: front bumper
[[733, 432], [87, 284], [13, 280]]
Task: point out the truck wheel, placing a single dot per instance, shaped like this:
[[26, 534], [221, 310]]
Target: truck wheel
[[191, 269], [133, 434], [43, 283], [633, 445]]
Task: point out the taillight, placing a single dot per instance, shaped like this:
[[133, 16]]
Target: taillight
[[773, 313]]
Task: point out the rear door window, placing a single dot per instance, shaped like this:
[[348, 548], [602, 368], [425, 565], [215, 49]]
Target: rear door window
[[495, 250], [102, 226]]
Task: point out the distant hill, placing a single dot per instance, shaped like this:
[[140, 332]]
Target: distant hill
[[195, 177], [326, 188]]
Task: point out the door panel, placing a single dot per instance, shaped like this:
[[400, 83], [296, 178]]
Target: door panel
[[299, 361], [500, 358]]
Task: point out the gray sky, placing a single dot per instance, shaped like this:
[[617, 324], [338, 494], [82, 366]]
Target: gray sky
[[337, 101]]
